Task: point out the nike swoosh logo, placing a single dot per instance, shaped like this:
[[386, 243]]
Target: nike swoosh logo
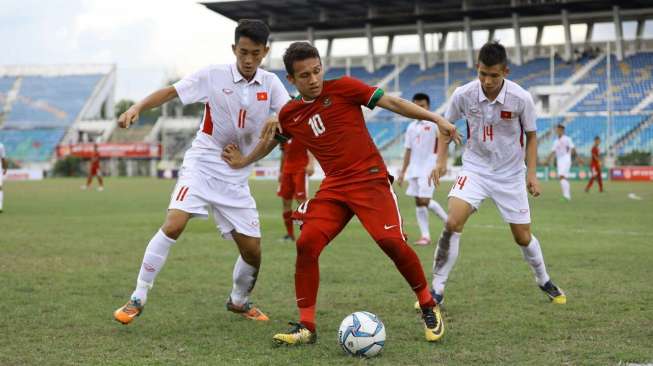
[[388, 227], [296, 119]]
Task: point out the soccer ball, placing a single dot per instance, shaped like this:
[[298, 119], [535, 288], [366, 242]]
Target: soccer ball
[[362, 334]]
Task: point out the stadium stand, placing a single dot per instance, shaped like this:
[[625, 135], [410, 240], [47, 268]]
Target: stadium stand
[[35, 145], [40, 105], [631, 82], [50, 101]]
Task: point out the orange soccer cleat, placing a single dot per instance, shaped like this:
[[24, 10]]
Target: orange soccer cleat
[[247, 310]]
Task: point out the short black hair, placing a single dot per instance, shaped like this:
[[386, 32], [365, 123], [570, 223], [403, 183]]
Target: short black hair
[[492, 53], [298, 51], [422, 96], [560, 125], [254, 29], [597, 138]]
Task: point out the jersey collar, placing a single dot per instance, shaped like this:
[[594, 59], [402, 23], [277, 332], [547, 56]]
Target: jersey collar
[[501, 98], [258, 77]]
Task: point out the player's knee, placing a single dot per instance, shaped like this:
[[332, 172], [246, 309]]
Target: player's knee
[[173, 228], [453, 224], [252, 255], [310, 245], [392, 247], [522, 238]]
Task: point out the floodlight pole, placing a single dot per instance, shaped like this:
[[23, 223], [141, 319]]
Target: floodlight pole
[[610, 146], [552, 65], [446, 73]]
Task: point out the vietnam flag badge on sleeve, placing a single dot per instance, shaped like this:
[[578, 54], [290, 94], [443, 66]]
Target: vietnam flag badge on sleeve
[[261, 96]]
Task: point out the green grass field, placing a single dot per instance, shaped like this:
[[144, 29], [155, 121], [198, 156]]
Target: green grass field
[[69, 258]]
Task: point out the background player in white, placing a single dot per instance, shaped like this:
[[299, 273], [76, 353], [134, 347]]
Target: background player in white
[[564, 151], [498, 112], [419, 161], [3, 171], [238, 98]]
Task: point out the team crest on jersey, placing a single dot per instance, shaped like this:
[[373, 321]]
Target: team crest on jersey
[[326, 102], [227, 91], [506, 114]]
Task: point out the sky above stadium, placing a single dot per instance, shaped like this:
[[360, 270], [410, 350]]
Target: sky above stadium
[[151, 41]]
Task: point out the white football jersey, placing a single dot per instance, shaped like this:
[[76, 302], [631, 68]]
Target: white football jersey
[[562, 147], [495, 130], [235, 111], [421, 138]]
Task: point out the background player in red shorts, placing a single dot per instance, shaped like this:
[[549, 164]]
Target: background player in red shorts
[[327, 118], [94, 170], [595, 166], [296, 167]]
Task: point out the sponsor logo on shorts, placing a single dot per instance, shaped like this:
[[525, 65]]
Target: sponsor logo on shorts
[[388, 227], [148, 267], [523, 210], [254, 223]]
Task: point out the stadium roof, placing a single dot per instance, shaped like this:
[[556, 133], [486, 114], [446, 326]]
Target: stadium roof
[[289, 16]]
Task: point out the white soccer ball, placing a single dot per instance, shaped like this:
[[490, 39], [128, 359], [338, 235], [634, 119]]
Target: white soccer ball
[[362, 334]]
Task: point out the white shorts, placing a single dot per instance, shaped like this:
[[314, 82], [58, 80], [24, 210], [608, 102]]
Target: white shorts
[[563, 168], [232, 205], [419, 187], [509, 195]]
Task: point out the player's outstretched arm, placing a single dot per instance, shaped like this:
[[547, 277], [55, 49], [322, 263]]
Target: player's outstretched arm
[[411, 110], [532, 183], [404, 166], [236, 160], [153, 100], [441, 163], [310, 167]]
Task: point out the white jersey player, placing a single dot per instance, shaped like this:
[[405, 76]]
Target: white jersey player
[[238, 99], [564, 150], [3, 171], [497, 112], [421, 141]]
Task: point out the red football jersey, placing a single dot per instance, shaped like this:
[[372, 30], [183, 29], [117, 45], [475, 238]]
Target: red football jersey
[[595, 155], [295, 157], [95, 161], [333, 129]]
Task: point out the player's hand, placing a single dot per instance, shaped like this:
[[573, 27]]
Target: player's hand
[[271, 127], [232, 155], [310, 169], [400, 179], [436, 174], [128, 117], [533, 185], [449, 129]]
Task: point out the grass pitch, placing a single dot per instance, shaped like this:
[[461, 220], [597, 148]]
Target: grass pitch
[[69, 258]]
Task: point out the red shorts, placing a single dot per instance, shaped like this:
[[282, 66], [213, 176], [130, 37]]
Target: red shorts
[[95, 171], [373, 202], [293, 185]]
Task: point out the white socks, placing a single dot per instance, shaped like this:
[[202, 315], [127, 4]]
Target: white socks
[[244, 280], [153, 261], [438, 210], [533, 256], [1, 198], [422, 214], [444, 259], [566, 192]]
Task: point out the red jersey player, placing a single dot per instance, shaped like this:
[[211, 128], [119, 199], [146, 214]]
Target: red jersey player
[[94, 170], [327, 118], [296, 167], [595, 166]]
